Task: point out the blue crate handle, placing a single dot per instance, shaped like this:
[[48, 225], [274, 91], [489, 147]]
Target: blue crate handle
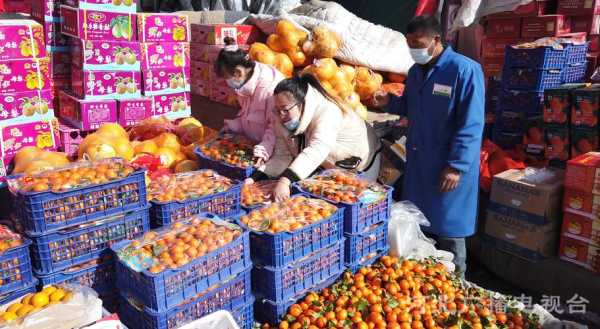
[[78, 227]]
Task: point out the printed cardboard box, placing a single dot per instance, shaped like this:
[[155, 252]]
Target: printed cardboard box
[[25, 75], [165, 55], [21, 39], [166, 81], [578, 7], [97, 25], [87, 114], [545, 26], [557, 143], [60, 64], [583, 173], [97, 85], [96, 55], [209, 53], [45, 10], [224, 95], [134, 111], [557, 104], [581, 253], [161, 27], [581, 227], [200, 71], [16, 136], [17, 6], [215, 79], [70, 138], [586, 102], [492, 67], [503, 28], [495, 47], [172, 106], [55, 40], [533, 8], [582, 202], [215, 34], [533, 135], [587, 24], [26, 106], [583, 140], [200, 87], [117, 6]]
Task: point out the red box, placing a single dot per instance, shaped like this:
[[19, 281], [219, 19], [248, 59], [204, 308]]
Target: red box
[[494, 48], [214, 34], [585, 109], [503, 28], [587, 24], [580, 253], [583, 140], [582, 202], [545, 26], [583, 173], [557, 143], [492, 67], [17, 6], [581, 227], [578, 7], [592, 59], [594, 43]]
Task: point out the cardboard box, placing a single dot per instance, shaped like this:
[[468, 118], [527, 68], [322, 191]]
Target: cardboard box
[[583, 140], [507, 140], [116, 6], [224, 95], [557, 104], [55, 40], [583, 173], [17, 6], [16, 136], [533, 136], [214, 16], [215, 34], [545, 26], [582, 202], [166, 81], [586, 102], [503, 28], [581, 227], [21, 39], [513, 195], [578, 7], [87, 115], [134, 111], [29, 106], [161, 27], [100, 55], [70, 138], [581, 253], [200, 71], [44, 10], [492, 67], [495, 47], [208, 53], [592, 59], [60, 64], [524, 239], [165, 55], [25, 75], [98, 25], [200, 87], [172, 106], [587, 24], [98, 85], [533, 8], [557, 143]]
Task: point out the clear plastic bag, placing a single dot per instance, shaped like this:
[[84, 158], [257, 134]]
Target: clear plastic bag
[[406, 239]]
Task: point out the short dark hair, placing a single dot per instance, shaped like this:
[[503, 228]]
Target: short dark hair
[[228, 60], [426, 24]]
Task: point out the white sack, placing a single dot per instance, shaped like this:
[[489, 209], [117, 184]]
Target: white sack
[[472, 10]]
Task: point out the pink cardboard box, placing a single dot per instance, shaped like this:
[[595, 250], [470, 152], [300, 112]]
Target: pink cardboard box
[[60, 64], [166, 81], [200, 87], [45, 10], [545, 26], [16, 136], [215, 79], [165, 55], [26, 106], [224, 95], [215, 34], [97, 25], [53, 37], [21, 39], [25, 75], [154, 27], [116, 6], [106, 84], [70, 138], [96, 55], [208, 53], [173, 106], [133, 111], [87, 114], [200, 71]]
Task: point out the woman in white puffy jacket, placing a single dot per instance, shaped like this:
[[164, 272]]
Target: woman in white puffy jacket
[[315, 130]]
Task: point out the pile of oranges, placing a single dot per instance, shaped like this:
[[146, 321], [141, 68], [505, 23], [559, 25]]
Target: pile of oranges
[[35, 302], [185, 186], [184, 242], [8, 239], [231, 149], [396, 294], [256, 194], [289, 215], [76, 176], [338, 186]]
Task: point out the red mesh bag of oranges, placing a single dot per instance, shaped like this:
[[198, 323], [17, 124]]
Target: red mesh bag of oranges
[[343, 186]]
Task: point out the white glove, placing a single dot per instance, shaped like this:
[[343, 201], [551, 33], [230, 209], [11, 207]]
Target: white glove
[[261, 153]]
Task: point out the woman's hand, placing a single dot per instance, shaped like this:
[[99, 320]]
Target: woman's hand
[[282, 190], [261, 155]]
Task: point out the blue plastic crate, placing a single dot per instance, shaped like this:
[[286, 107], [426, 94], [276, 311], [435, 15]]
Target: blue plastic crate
[[44, 212], [224, 204], [76, 245], [276, 250], [111, 302], [530, 79], [541, 57], [268, 311], [575, 53], [360, 215], [574, 73], [15, 268], [171, 287], [232, 294], [367, 261], [99, 276], [244, 316], [371, 241], [223, 168], [29, 287], [235, 217], [281, 284], [521, 101]]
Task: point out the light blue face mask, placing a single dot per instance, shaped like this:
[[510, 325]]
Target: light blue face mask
[[292, 125], [421, 55], [234, 83]]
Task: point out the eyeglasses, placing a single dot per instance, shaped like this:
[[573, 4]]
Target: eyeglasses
[[286, 110]]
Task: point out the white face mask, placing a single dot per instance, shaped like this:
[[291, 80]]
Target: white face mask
[[234, 83], [421, 55]]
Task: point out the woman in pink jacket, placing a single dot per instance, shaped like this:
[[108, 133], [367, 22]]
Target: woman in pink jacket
[[253, 83]]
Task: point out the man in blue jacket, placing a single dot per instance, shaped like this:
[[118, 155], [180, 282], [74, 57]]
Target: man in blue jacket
[[444, 102]]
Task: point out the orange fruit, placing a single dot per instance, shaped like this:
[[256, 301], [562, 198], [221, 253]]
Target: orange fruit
[[168, 140], [148, 146], [112, 129], [167, 156], [40, 299]]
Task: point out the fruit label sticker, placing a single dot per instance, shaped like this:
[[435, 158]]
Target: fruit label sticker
[[20, 39], [165, 55], [174, 106], [154, 27], [166, 81], [133, 111], [97, 25], [118, 6], [26, 106], [96, 85], [15, 137], [98, 55], [24, 75]]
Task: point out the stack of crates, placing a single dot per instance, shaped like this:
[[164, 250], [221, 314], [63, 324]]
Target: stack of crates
[[288, 265], [71, 231], [16, 278], [175, 296]]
